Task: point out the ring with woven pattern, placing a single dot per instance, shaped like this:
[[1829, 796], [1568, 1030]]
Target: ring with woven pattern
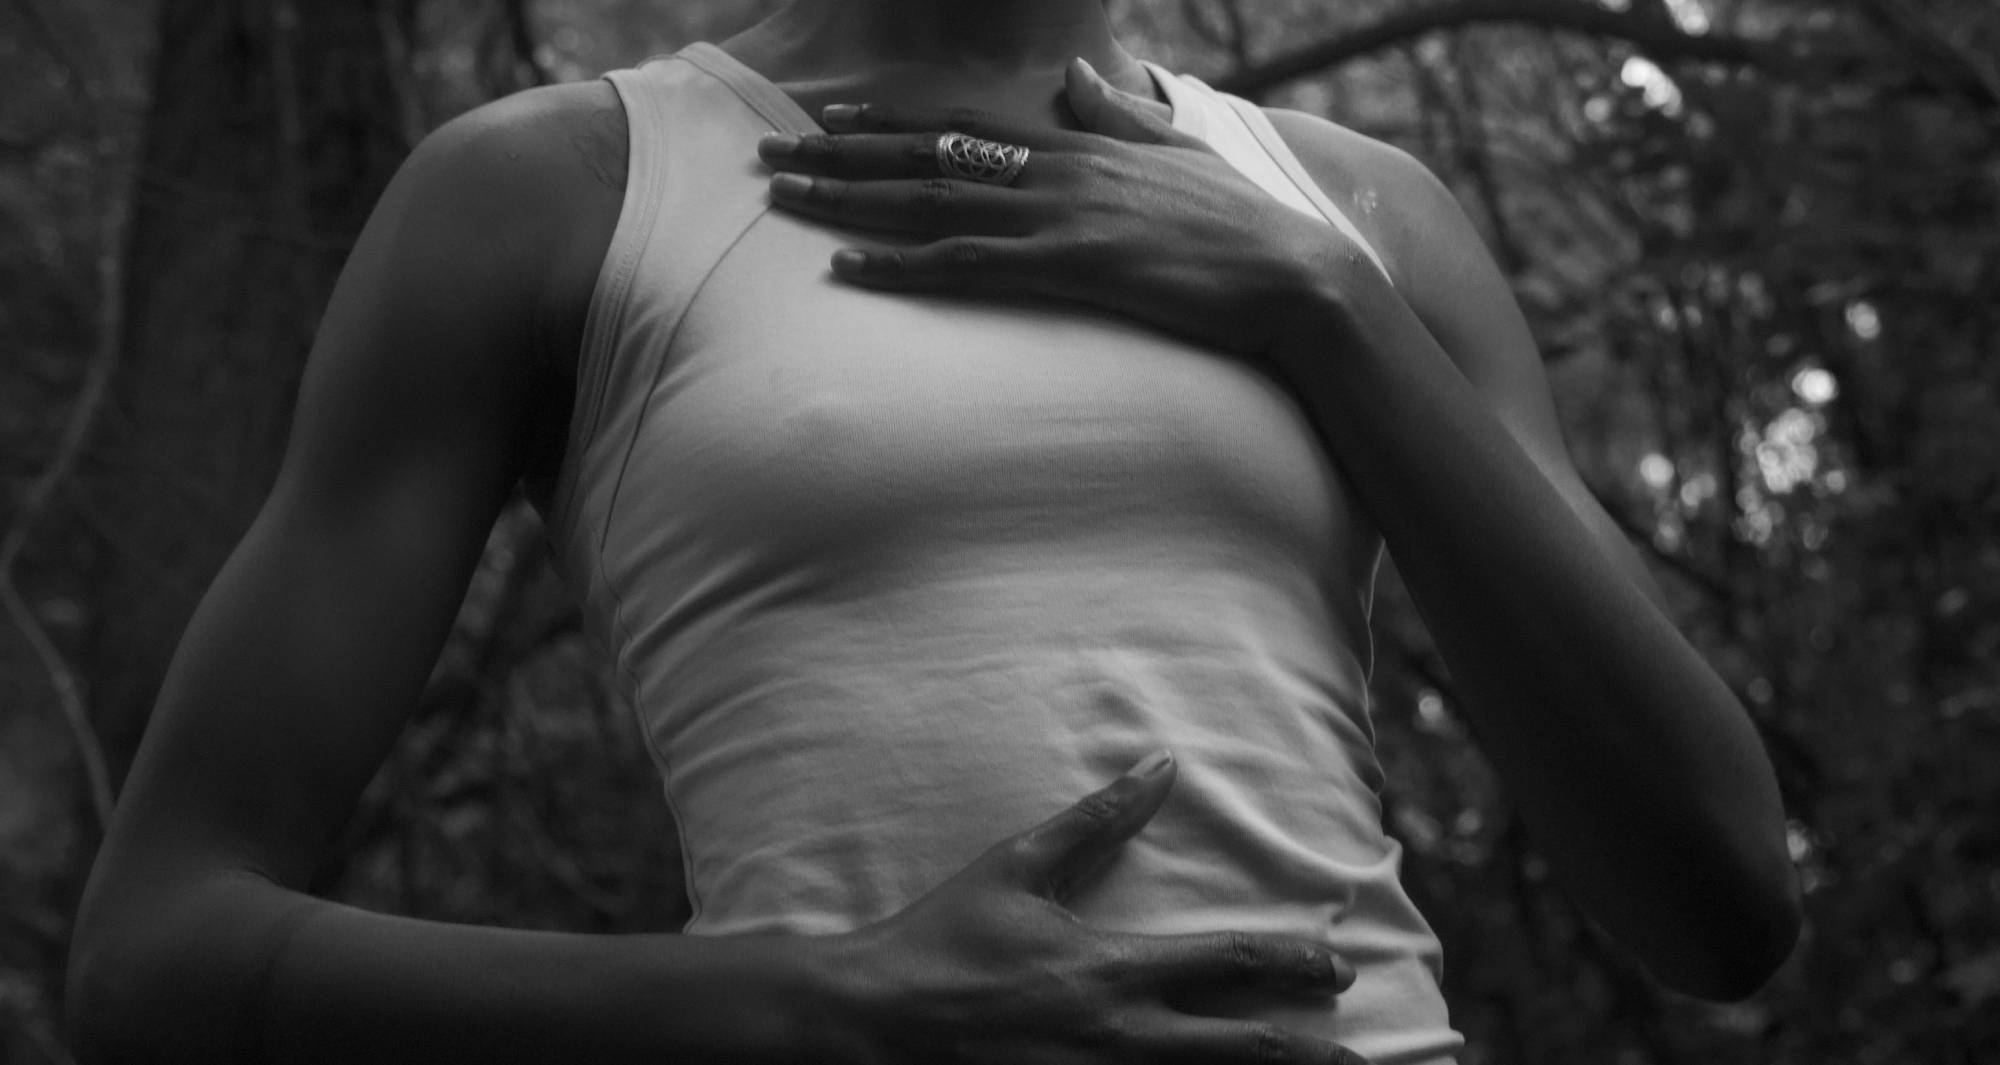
[[984, 161]]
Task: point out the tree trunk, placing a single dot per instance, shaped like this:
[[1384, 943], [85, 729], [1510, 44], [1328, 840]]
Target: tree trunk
[[274, 127]]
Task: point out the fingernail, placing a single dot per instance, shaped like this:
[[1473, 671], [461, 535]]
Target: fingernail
[[1151, 764], [839, 114], [790, 184], [778, 144]]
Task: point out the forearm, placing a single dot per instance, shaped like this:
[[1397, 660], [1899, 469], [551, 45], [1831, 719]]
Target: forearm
[[1635, 767], [241, 970]]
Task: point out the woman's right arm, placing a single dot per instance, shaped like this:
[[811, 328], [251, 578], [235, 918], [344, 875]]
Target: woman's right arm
[[196, 942]]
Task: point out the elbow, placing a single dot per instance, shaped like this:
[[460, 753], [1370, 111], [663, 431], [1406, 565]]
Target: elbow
[[1747, 967], [132, 981], [163, 970], [96, 996], [1770, 940], [1743, 946]]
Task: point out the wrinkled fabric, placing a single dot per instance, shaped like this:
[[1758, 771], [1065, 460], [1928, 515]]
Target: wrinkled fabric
[[888, 578]]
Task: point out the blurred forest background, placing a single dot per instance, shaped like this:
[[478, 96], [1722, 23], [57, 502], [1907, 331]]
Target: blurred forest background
[[1758, 239]]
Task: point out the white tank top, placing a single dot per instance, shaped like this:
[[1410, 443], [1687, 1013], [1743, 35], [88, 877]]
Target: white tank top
[[888, 578]]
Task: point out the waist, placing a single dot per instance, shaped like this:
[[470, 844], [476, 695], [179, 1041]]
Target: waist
[[812, 819], [848, 755], [835, 749]]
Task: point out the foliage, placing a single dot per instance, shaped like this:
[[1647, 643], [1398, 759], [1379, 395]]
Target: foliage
[[1768, 305], [1764, 287]]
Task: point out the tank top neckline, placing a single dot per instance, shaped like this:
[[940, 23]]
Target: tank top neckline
[[777, 106]]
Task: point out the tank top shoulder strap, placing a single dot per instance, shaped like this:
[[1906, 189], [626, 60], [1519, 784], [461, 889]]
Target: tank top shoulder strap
[[1240, 132], [692, 188]]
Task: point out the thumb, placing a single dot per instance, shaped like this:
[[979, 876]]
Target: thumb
[[1056, 857], [1105, 109]]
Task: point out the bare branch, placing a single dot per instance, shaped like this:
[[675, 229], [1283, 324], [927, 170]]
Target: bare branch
[[521, 35], [20, 146], [82, 415], [1580, 16], [68, 693], [110, 244], [390, 23], [1938, 56], [80, 65], [1469, 131], [1708, 582]]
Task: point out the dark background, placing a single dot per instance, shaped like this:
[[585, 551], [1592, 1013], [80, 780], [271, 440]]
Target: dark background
[[1759, 241]]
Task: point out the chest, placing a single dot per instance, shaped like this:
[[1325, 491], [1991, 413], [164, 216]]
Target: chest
[[786, 405]]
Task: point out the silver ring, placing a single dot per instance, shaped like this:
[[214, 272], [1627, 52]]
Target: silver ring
[[984, 161]]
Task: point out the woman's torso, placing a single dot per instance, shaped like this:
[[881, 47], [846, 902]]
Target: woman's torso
[[889, 578]]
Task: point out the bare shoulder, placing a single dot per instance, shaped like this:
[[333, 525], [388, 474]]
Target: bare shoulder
[[1440, 264], [1354, 152], [581, 124], [535, 141], [1389, 194], [552, 160], [517, 201], [510, 183]]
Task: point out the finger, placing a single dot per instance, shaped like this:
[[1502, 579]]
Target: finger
[[971, 121], [1056, 857], [980, 266], [859, 156], [1171, 1038], [1109, 111], [933, 206], [1205, 961]]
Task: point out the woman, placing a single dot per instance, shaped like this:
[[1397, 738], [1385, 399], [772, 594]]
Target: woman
[[1091, 451]]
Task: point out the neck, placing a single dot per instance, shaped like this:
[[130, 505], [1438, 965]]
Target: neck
[[994, 37], [979, 45]]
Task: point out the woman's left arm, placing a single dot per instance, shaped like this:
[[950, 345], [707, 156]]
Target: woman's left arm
[[1639, 774]]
